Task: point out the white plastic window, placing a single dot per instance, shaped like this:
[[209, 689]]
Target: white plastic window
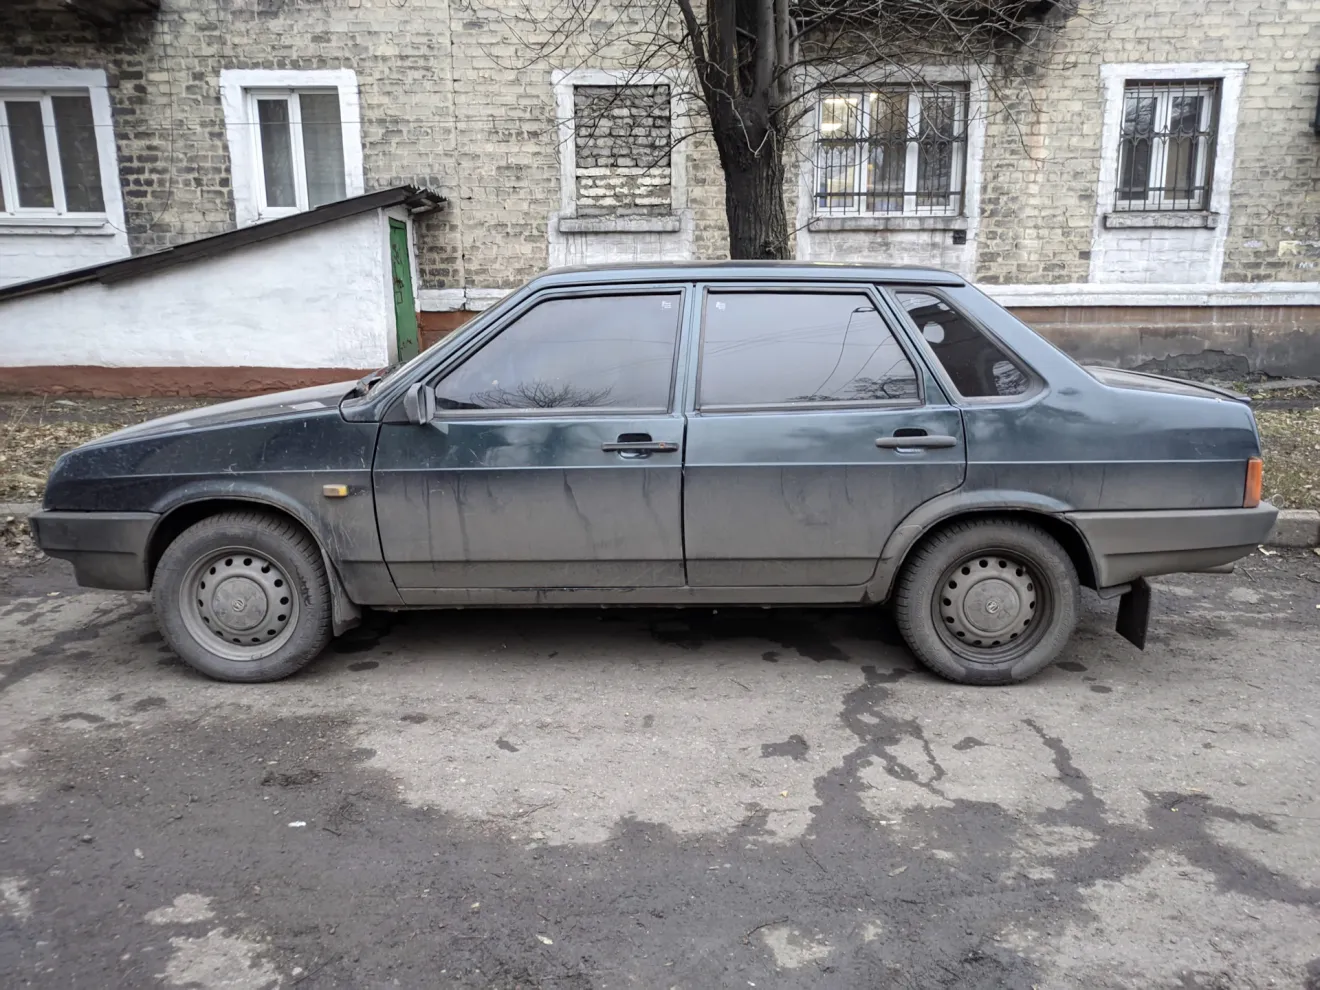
[[299, 149], [49, 162]]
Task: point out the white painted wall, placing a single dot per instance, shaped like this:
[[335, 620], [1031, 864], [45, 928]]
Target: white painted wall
[[36, 252], [933, 248], [315, 299]]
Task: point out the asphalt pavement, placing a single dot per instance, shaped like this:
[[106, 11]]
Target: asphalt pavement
[[701, 799]]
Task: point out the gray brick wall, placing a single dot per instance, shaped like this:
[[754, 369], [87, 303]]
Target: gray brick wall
[[622, 136], [1043, 146], [452, 99]]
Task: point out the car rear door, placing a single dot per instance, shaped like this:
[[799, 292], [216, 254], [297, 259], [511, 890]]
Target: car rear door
[[554, 459], [813, 430]]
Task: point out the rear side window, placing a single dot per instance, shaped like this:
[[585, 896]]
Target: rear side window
[[603, 352], [977, 365], [775, 348]]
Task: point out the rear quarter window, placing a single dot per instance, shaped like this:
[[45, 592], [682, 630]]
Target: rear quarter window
[[976, 364]]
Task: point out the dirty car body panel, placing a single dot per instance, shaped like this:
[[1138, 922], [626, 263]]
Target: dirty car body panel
[[654, 480]]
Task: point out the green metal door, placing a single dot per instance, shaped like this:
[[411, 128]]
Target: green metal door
[[405, 310]]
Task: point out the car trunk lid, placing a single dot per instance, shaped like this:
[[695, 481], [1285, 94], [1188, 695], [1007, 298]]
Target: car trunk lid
[[1146, 382]]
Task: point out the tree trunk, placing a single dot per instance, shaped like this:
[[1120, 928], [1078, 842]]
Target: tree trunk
[[754, 204]]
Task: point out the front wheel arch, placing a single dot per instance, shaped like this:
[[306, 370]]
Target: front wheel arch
[[345, 613]]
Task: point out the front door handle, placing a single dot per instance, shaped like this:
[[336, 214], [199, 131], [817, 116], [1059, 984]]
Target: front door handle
[[913, 443], [639, 447]]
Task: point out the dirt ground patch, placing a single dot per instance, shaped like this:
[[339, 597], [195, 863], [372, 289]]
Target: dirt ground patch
[[1291, 442]]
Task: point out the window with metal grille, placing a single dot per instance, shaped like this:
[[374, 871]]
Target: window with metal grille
[[1167, 145], [892, 150]]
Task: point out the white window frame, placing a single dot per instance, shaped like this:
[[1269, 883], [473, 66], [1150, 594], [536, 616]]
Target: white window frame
[[291, 97], [915, 91], [1209, 90], [239, 91], [40, 85]]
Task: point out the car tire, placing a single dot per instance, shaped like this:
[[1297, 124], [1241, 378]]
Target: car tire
[[243, 596], [989, 601]]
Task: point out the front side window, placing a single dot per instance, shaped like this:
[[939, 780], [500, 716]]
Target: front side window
[[977, 365], [1167, 145], [777, 348], [49, 164], [590, 353], [892, 150], [299, 147]]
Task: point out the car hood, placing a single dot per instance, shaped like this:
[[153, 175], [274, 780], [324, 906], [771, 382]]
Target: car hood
[[1145, 382], [262, 407]]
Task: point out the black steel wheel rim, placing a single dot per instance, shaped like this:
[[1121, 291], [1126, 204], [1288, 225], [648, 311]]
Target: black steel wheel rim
[[992, 606], [238, 603]]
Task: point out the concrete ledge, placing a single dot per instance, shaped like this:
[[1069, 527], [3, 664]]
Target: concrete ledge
[[1155, 294], [1166, 220], [620, 225], [19, 510], [1296, 528], [826, 222]]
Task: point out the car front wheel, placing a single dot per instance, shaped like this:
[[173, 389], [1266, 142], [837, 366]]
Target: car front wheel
[[988, 601], [243, 596]]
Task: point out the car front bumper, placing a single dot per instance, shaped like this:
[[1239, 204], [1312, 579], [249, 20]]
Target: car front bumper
[[107, 549], [1127, 545]]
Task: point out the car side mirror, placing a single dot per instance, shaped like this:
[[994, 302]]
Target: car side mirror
[[419, 404]]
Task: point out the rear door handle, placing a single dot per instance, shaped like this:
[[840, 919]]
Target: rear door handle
[[912, 443], [639, 447]]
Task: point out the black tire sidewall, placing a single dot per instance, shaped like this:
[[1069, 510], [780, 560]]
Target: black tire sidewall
[[284, 544], [913, 604]]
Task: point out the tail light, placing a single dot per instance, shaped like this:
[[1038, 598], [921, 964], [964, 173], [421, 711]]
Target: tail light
[[1255, 478]]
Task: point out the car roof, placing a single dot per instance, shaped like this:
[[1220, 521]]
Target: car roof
[[750, 270]]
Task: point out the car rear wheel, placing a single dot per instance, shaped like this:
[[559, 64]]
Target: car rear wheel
[[243, 596], [988, 602]]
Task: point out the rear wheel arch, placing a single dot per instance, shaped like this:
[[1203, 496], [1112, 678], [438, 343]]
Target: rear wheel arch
[[913, 532], [966, 602], [178, 518]]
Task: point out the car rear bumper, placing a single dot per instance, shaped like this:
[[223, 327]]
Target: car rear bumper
[[107, 549], [1128, 545]]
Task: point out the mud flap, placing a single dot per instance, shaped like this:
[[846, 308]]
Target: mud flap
[[1134, 613]]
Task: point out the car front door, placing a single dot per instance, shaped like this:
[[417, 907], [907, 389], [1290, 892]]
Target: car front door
[[554, 459], [813, 430]]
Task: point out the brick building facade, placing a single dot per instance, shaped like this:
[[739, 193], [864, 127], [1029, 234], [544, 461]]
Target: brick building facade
[[1153, 198]]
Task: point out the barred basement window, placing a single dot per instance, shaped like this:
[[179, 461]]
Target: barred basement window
[[1166, 149], [892, 150]]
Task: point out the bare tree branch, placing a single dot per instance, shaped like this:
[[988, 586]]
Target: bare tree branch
[[759, 68]]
